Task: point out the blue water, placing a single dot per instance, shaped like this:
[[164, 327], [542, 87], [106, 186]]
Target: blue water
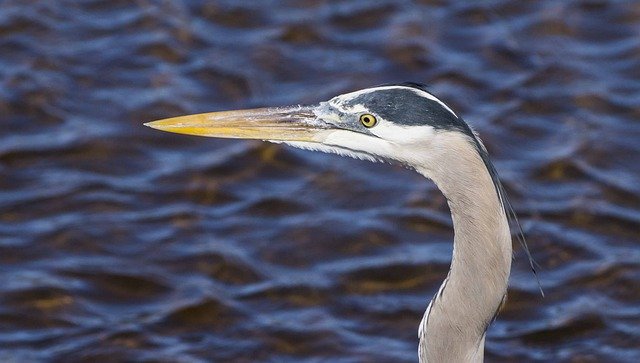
[[121, 243]]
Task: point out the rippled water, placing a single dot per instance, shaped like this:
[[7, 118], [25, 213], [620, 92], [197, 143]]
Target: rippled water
[[120, 243]]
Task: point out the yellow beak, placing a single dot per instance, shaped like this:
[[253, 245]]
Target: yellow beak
[[293, 123]]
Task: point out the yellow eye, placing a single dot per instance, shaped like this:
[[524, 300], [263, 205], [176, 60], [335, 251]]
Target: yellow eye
[[368, 120]]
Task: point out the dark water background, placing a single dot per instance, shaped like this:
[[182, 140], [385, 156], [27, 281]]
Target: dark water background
[[119, 243]]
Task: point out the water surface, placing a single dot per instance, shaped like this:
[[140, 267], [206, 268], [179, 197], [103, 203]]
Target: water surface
[[119, 243]]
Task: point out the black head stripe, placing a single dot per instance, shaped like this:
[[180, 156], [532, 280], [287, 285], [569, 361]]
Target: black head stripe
[[405, 106]]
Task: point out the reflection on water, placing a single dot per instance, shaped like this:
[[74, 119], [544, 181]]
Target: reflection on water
[[118, 243]]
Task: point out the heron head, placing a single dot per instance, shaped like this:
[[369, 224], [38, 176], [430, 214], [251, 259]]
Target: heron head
[[398, 123]]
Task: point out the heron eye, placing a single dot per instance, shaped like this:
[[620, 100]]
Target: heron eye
[[368, 120]]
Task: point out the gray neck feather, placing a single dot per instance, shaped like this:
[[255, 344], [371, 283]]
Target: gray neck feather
[[454, 325]]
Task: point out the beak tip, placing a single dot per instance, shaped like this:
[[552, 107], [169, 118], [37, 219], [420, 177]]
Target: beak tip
[[152, 124]]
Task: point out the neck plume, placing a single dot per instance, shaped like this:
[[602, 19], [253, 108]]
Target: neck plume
[[454, 325]]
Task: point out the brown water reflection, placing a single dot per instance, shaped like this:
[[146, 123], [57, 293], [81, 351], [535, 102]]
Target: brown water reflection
[[118, 243]]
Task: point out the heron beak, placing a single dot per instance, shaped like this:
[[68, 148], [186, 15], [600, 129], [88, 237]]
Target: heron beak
[[293, 123]]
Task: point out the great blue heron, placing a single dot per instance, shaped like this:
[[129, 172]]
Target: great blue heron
[[406, 124]]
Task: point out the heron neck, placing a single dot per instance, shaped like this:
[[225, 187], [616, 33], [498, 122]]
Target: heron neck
[[457, 318]]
